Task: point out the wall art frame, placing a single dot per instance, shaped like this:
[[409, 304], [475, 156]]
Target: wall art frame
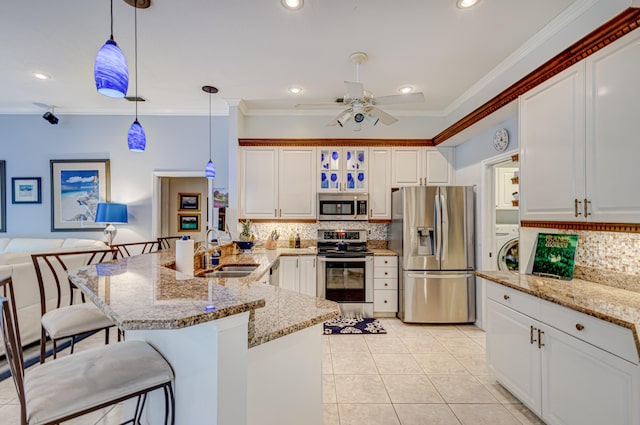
[[188, 201], [3, 197], [26, 190], [77, 186], [188, 222]]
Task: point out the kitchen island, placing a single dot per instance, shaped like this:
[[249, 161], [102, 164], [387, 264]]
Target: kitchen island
[[569, 350], [227, 339]]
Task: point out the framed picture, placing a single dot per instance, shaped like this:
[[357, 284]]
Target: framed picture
[[77, 186], [189, 201], [188, 222], [26, 190], [3, 197]]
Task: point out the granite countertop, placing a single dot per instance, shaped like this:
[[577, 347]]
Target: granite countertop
[[139, 292], [382, 251], [614, 305]]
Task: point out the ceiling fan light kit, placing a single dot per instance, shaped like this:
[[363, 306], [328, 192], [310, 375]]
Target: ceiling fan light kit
[[292, 4], [465, 4]]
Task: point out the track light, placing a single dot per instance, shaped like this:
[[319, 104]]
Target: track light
[[344, 118], [53, 120]]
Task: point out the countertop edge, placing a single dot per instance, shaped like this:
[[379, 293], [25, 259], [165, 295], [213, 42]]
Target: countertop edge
[[254, 342]]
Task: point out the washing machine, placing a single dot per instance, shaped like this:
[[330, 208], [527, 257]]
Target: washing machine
[[507, 246]]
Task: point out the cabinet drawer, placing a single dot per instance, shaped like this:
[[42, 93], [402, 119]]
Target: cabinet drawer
[[615, 339], [385, 261], [385, 283], [385, 301], [385, 273], [517, 300]]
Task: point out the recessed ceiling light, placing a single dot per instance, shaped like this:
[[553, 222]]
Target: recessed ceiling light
[[41, 76], [292, 4], [464, 4], [295, 90], [405, 89]]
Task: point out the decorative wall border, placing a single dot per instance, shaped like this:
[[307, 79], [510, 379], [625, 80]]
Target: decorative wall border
[[335, 142], [607, 33], [595, 227]]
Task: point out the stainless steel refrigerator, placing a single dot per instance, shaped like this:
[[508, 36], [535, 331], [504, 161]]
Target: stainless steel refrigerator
[[433, 233]]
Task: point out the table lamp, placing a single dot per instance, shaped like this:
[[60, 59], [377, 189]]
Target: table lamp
[[111, 213]]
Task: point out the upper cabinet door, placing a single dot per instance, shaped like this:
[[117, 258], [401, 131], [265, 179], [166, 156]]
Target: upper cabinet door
[[552, 131], [356, 174], [439, 166], [342, 169], [297, 194], [329, 170], [380, 187], [407, 166], [612, 145], [260, 182]]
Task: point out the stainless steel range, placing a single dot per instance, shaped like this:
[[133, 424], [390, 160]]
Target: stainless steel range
[[345, 271]]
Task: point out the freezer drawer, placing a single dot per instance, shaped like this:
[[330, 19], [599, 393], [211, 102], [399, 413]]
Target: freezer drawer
[[437, 297]]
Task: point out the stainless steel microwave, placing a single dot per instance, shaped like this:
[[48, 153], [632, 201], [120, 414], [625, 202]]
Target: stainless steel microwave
[[343, 206]]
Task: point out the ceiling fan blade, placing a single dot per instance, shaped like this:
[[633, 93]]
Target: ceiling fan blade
[[355, 90], [317, 105], [384, 118], [399, 98]]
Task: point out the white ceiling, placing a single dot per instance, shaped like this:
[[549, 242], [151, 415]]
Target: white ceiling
[[254, 50]]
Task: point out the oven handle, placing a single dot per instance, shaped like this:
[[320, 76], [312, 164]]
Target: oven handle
[[326, 258], [438, 276]]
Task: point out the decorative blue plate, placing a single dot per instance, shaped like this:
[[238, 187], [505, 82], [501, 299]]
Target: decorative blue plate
[[334, 156], [334, 177], [360, 176]]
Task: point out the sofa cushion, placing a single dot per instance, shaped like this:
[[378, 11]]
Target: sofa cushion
[[83, 243], [3, 244], [33, 245]]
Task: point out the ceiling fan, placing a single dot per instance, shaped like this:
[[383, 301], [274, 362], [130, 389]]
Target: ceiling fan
[[361, 104]]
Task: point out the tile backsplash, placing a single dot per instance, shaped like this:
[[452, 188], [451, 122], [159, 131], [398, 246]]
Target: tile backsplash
[[309, 231]]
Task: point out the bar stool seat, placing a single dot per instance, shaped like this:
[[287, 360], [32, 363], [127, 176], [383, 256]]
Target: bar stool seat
[[74, 320], [53, 390]]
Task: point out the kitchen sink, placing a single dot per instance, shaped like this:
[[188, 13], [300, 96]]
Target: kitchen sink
[[229, 270], [237, 267]]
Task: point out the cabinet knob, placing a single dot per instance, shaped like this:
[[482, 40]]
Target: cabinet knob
[[506, 297], [385, 301], [579, 326], [386, 284], [386, 262], [386, 273]]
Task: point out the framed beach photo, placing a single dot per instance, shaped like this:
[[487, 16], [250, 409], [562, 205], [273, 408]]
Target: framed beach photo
[[3, 197], [77, 186], [189, 201], [188, 222], [26, 190]]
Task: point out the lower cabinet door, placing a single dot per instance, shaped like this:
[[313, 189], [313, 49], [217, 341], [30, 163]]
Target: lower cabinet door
[[308, 275], [385, 300], [290, 273], [513, 354], [582, 384]]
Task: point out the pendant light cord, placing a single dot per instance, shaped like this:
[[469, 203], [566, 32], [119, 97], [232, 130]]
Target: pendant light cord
[[209, 126], [135, 48], [111, 20]]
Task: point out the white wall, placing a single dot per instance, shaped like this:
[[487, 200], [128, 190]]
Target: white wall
[[28, 142]]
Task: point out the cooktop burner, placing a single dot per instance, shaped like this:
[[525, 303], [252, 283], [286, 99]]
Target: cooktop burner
[[342, 242]]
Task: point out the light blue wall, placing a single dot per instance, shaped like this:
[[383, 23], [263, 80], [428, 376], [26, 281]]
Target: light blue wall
[[28, 143]]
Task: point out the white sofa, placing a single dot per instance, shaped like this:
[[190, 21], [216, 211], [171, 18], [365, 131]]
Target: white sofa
[[15, 261]]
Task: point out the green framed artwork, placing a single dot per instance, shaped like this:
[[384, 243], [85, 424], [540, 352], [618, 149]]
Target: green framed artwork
[[555, 256]]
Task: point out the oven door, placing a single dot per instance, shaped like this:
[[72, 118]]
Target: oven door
[[345, 279]]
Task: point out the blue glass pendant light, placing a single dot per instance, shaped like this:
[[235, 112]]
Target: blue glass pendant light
[[110, 70], [136, 138], [210, 169]]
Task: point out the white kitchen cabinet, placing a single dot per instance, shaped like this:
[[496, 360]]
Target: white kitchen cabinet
[[380, 184], [578, 140], [259, 186], [567, 367], [505, 187], [414, 166], [385, 285], [343, 169], [298, 273], [296, 183], [278, 182]]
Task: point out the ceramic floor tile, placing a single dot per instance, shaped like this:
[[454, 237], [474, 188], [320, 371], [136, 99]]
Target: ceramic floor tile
[[460, 345], [475, 363], [411, 389], [461, 389], [353, 364], [396, 364], [480, 340], [470, 330], [369, 414], [440, 363], [385, 344], [326, 344], [497, 390], [360, 389], [327, 364], [424, 344], [330, 415], [425, 414], [328, 389], [411, 331], [445, 331], [348, 344], [523, 414], [483, 414]]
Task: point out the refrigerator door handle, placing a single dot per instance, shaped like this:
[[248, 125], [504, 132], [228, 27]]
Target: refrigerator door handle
[[436, 225], [444, 233], [438, 276]]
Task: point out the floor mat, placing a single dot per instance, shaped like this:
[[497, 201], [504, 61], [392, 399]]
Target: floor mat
[[350, 325]]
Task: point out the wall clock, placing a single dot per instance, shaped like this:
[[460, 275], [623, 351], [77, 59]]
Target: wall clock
[[501, 140]]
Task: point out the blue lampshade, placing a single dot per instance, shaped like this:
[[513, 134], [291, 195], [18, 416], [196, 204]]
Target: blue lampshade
[[111, 213], [136, 138], [210, 170], [110, 71]]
